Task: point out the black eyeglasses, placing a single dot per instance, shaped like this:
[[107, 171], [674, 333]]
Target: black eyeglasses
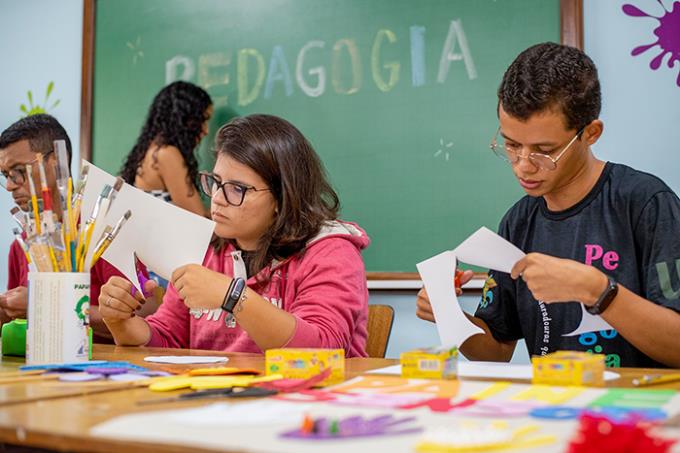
[[233, 192], [17, 174]]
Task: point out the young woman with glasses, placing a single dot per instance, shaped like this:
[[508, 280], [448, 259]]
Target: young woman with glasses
[[282, 270]]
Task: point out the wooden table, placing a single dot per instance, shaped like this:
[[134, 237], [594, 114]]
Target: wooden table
[[61, 421]]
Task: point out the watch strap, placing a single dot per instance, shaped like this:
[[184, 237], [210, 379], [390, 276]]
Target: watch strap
[[231, 298], [605, 298]]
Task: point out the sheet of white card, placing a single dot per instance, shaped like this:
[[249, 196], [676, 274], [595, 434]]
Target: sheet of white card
[[185, 359], [437, 274], [589, 323], [494, 370], [486, 249], [164, 236]]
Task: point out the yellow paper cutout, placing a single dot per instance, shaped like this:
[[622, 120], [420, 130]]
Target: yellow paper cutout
[[493, 389], [522, 437], [208, 382], [548, 394]]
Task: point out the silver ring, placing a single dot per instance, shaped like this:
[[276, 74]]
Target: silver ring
[[108, 301]]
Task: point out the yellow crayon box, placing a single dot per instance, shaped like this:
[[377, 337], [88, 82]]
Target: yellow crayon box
[[303, 363], [569, 368], [430, 363]]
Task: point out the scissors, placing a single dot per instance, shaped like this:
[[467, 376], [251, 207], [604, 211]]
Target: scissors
[[140, 270]]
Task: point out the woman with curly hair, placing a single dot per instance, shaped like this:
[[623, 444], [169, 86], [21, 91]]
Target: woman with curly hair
[[162, 162], [283, 272]]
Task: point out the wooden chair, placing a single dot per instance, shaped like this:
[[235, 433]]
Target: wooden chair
[[380, 319]]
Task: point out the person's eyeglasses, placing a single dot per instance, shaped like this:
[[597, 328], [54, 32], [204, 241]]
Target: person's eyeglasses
[[233, 192], [17, 174], [510, 152]]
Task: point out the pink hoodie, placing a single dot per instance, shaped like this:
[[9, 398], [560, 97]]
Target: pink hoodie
[[324, 287]]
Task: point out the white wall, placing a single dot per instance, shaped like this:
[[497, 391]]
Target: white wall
[[40, 41], [641, 107]]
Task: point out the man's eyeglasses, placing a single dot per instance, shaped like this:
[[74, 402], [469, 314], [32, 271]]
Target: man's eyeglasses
[[510, 152], [233, 192], [17, 174]]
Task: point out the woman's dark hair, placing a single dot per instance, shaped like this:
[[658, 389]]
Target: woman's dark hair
[[279, 153], [175, 118], [548, 76]]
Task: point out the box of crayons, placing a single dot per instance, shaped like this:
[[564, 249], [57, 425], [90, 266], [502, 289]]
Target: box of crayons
[[301, 363], [568, 368], [60, 250], [430, 363]]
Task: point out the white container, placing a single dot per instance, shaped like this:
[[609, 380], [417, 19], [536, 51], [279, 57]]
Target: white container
[[58, 317]]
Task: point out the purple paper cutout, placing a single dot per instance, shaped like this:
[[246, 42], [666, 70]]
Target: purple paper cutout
[[80, 377], [355, 426], [107, 371]]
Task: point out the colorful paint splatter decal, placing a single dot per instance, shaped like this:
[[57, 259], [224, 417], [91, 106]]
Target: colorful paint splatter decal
[[487, 294], [667, 33]]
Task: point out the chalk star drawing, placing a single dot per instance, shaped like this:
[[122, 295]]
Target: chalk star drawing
[[444, 149], [137, 52], [667, 33]]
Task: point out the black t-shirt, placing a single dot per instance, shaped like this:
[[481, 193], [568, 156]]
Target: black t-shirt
[[628, 226]]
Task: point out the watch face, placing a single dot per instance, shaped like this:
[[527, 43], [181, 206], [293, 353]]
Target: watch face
[[238, 289], [605, 298]]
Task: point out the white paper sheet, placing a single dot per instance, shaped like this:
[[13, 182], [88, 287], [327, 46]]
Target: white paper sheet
[[589, 323], [438, 274], [185, 359], [164, 236], [487, 249], [493, 370], [252, 413]]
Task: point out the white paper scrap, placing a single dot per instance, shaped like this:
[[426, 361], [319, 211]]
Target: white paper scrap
[[589, 323], [185, 359], [485, 248], [164, 236], [438, 274]]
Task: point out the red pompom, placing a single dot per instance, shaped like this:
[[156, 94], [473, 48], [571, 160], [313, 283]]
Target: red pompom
[[599, 434]]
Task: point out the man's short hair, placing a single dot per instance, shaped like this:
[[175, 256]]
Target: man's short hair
[[40, 130], [549, 76]]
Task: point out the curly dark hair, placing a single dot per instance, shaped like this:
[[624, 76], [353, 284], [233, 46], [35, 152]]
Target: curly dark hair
[[550, 75], [175, 118], [279, 153], [41, 130]]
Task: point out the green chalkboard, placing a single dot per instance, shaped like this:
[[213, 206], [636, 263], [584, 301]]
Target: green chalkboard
[[397, 96]]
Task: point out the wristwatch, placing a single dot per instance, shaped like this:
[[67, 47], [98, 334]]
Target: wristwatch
[[234, 293], [605, 298]]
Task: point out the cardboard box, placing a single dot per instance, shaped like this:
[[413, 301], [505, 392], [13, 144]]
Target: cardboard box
[[295, 363], [569, 368], [430, 363]]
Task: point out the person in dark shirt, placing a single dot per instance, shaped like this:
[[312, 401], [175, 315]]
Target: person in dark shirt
[[601, 238]]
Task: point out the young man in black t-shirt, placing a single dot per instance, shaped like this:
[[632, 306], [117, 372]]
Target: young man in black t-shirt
[[599, 236]]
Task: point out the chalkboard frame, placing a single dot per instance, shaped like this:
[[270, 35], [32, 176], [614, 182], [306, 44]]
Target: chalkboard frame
[[571, 33]]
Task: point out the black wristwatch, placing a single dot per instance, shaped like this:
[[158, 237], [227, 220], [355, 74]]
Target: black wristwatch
[[234, 293], [605, 298]]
